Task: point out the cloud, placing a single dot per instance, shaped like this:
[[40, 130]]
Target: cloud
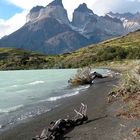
[[12, 24], [28, 4], [101, 6]]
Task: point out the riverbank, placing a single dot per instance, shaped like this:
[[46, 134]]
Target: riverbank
[[101, 125]]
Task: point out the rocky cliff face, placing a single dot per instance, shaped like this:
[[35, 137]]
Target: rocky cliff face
[[131, 22], [49, 31], [94, 27], [53, 10], [34, 13], [82, 15], [46, 36]]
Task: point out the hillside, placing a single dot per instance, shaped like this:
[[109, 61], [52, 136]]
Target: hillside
[[126, 47], [18, 59]]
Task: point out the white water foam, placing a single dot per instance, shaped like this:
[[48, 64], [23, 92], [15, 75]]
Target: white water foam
[[36, 82], [81, 88], [1, 126], [14, 86], [31, 114], [11, 86], [11, 109], [75, 92], [60, 97]]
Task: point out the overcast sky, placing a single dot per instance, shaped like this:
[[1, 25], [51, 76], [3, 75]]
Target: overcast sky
[[13, 12]]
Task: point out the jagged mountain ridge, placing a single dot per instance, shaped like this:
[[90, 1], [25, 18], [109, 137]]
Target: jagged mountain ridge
[[94, 27], [49, 31], [131, 22], [54, 10]]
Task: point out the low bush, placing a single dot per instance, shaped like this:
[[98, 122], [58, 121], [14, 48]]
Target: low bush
[[82, 77]]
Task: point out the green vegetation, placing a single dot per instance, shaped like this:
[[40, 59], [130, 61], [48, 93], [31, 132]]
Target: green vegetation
[[11, 59], [127, 47], [118, 49], [128, 93]]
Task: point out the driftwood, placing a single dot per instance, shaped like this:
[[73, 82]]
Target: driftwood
[[84, 76], [61, 126]]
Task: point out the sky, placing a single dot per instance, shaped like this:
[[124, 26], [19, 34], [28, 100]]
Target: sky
[[13, 12]]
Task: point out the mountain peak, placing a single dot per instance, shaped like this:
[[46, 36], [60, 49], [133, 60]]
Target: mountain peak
[[83, 8], [34, 13], [111, 18], [36, 9], [138, 13], [56, 3], [127, 15]]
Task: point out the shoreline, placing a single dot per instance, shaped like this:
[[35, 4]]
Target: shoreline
[[91, 96], [55, 102]]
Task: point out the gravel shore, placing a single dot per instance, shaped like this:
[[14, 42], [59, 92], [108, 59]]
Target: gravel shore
[[102, 124]]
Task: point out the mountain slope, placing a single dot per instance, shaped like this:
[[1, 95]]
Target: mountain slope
[[33, 36], [36, 37], [65, 42], [11, 59], [49, 31], [131, 22], [94, 27], [126, 47]]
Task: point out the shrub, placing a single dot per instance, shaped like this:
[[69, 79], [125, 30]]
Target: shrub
[[82, 77]]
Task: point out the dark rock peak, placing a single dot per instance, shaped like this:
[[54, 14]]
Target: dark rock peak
[[36, 9], [113, 19], [83, 8], [127, 15], [56, 3], [110, 13], [138, 13], [138, 30]]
